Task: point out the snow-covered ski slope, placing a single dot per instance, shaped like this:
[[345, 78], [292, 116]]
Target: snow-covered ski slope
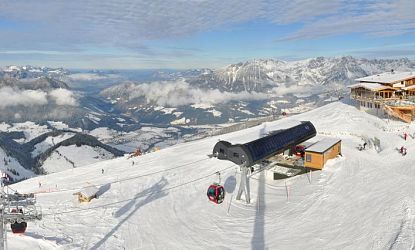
[[363, 200]]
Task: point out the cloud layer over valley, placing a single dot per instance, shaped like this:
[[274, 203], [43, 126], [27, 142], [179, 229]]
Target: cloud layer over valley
[[11, 97], [178, 93]]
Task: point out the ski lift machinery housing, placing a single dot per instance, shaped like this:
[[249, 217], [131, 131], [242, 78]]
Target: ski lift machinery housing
[[250, 153], [253, 152]]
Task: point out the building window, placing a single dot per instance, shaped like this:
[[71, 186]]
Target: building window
[[308, 158], [221, 150]]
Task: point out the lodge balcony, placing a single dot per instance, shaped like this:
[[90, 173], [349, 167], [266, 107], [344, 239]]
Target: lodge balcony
[[372, 98]]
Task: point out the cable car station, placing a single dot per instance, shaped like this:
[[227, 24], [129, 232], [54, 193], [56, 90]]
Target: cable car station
[[264, 151]]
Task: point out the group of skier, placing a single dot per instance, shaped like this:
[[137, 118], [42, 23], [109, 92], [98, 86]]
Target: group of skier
[[403, 149], [362, 146]]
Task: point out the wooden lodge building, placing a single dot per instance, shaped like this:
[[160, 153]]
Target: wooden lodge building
[[319, 153], [390, 93]]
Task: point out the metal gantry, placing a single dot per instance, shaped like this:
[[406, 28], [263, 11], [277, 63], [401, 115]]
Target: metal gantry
[[16, 208]]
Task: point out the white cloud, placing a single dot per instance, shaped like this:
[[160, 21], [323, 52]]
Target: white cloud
[[180, 93], [17, 97], [130, 23], [293, 89], [372, 18], [91, 77], [123, 23], [63, 97], [293, 11], [10, 97]]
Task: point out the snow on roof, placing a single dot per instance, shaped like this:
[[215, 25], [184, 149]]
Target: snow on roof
[[322, 145], [388, 77], [370, 86], [89, 191]]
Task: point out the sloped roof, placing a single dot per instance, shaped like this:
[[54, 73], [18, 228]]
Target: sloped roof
[[370, 86], [269, 145], [322, 145], [388, 77], [89, 191]]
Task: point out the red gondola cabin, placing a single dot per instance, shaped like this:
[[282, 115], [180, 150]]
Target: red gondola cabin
[[18, 228], [216, 193]]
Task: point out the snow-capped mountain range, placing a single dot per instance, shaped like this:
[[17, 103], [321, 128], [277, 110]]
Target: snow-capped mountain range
[[21, 72], [246, 90], [145, 114], [264, 74]]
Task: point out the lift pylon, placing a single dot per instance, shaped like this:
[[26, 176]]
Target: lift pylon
[[16, 208]]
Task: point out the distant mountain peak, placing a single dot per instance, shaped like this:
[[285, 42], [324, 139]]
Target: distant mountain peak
[[261, 75]]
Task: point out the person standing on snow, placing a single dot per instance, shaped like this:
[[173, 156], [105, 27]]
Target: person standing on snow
[[405, 135]]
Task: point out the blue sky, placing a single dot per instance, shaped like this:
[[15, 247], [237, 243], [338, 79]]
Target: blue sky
[[182, 34]]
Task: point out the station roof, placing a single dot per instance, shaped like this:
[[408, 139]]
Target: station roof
[[268, 145], [388, 77], [322, 145]]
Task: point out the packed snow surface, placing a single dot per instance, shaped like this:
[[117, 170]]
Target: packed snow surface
[[362, 200]]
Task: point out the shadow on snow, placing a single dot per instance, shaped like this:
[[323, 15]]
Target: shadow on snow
[[152, 193]]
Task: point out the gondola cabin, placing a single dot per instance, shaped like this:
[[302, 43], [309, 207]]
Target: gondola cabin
[[18, 227], [216, 193], [299, 150]]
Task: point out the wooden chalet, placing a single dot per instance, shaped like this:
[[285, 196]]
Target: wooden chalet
[[319, 153], [86, 194], [390, 93]]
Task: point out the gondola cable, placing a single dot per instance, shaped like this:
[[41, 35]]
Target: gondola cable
[[140, 196]]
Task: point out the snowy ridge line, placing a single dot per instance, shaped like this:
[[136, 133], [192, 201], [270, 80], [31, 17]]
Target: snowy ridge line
[[125, 179], [140, 196]]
